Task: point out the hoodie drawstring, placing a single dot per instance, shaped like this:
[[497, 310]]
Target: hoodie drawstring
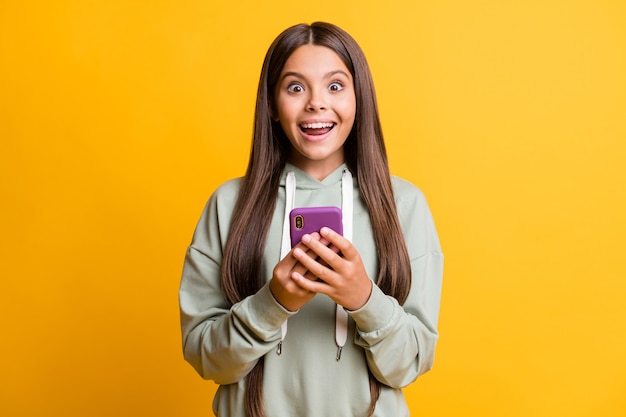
[[341, 316], [290, 198]]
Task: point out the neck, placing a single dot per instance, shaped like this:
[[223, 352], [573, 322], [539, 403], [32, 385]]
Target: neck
[[317, 169]]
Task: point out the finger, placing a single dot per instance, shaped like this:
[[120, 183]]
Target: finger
[[314, 266], [328, 255], [328, 245], [314, 236], [342, 244], [309, 285], [298, 266], [303, 247]]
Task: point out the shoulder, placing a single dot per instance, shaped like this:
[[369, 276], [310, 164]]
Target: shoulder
[[411, 203], [415, 218], [222, 201], [217, 213], [406, 193], [227, 192], [229, 187]]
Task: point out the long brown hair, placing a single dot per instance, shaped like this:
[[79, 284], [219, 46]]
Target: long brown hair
[[366, 157]]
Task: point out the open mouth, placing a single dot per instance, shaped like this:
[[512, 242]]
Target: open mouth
[[317, 128]]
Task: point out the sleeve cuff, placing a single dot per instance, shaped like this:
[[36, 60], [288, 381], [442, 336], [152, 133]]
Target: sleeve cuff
[[376, 313], [262, 311]]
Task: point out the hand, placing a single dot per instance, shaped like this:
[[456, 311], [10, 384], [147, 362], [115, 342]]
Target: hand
[[284, 289], [340, 276]]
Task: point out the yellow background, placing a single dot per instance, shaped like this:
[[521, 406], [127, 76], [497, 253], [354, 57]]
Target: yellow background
[[119, 118]]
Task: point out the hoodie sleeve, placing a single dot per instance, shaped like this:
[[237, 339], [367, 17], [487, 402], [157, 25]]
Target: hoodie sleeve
[[399, 341], [221, 341]]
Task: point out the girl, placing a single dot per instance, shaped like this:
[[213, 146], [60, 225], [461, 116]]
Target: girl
[[337, 325]]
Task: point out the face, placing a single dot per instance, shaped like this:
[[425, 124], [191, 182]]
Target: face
[[316, 105]]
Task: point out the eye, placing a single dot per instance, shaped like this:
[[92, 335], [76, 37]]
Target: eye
[[335, 86], [295, 88]]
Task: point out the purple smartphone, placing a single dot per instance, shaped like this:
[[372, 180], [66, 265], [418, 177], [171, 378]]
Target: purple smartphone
[[311, 219]]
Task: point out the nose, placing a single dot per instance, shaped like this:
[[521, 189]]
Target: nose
[[316, 101]]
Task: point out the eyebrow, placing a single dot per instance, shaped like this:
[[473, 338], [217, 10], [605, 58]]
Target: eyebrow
[[327, 75]]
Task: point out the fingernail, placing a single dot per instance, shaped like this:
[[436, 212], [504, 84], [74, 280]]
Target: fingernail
[[306, 238]]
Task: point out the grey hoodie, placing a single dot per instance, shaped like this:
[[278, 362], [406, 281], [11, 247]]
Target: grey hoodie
[[397, 343]]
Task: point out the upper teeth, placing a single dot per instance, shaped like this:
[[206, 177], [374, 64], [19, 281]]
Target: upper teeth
[[316, 125]]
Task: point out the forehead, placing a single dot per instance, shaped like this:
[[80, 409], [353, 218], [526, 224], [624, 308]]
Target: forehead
[[314, 60]]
